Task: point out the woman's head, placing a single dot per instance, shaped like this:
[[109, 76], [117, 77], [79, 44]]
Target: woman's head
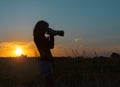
[[42, 26]]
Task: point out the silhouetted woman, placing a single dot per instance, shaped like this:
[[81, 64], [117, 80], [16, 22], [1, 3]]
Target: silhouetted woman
[[44, 44]]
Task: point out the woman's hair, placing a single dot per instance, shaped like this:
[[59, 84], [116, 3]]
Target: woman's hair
[[40, 27], [41, 24]]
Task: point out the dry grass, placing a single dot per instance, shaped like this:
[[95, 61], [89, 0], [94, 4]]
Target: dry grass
[[68, 72]]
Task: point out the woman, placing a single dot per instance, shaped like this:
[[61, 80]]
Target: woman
[[44, 44]]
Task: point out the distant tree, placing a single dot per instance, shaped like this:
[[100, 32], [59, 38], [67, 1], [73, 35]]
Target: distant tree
[[23, 56], [115, 55]]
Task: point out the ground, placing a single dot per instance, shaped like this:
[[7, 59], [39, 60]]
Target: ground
[[68, 72]]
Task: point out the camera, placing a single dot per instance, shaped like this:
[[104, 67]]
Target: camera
[[54, 32]]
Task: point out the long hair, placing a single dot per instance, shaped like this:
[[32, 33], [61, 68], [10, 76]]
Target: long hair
[[40, 27]]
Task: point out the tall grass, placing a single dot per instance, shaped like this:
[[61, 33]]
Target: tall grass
[[68, 72]]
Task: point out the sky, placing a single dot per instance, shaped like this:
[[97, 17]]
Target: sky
[[90, 25]]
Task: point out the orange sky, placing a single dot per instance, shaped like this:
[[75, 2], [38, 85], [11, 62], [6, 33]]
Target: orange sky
[[8, 49]]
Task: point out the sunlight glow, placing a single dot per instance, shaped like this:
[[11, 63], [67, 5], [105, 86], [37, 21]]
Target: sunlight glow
[[18, 51]]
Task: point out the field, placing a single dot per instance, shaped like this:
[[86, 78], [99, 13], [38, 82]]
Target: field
[[68, 72]]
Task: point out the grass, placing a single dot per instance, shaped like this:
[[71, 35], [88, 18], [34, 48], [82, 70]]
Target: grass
[[68, 72]]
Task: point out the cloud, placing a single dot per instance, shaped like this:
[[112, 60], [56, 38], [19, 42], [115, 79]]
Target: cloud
[[77, 39]]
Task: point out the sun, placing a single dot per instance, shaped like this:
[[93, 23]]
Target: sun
[[18, 51]]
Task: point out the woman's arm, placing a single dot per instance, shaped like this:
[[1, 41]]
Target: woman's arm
[[51, 41]]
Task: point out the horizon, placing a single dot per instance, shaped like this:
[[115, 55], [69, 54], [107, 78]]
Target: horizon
[[90, 26]]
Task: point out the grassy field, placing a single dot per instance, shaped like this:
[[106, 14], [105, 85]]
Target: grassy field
[[68, 72]]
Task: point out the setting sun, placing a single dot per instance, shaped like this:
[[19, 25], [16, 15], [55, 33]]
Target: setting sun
[[18, 51]]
